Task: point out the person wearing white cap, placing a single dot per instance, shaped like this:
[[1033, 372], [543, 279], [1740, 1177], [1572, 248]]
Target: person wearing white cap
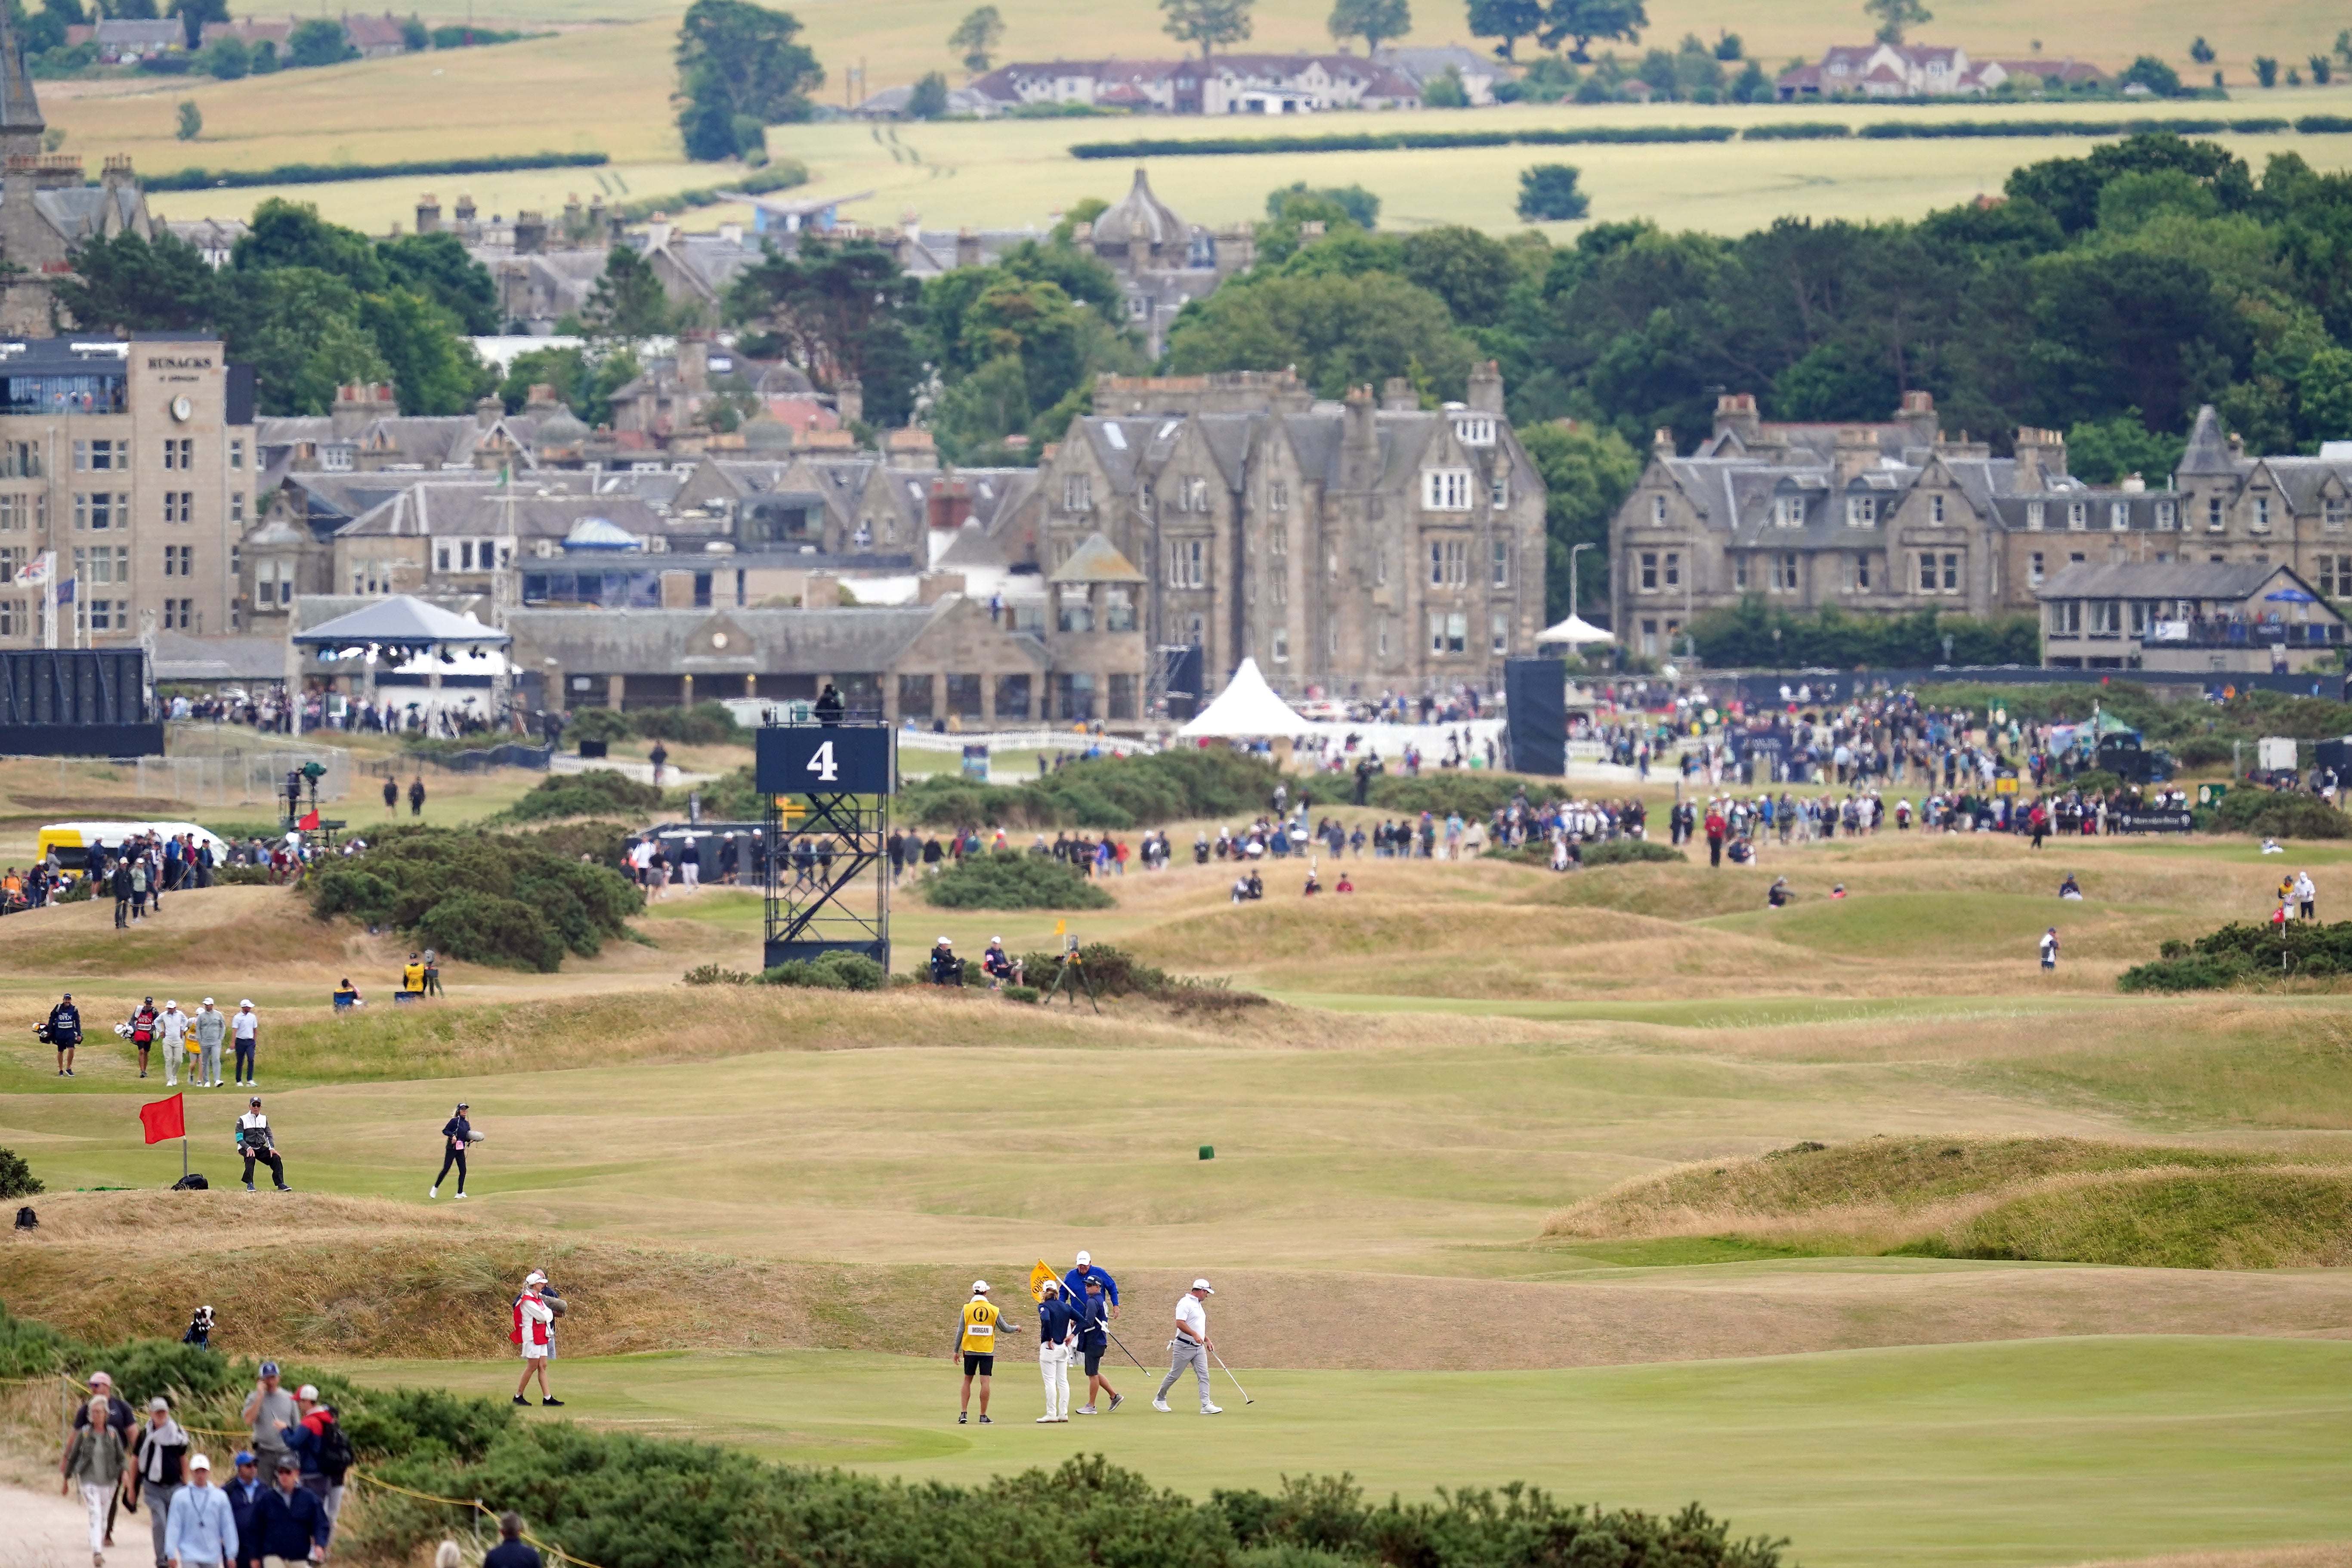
[[245, 1026], [201, 1530], [976, 1333], [172, 1025], [1191, 1347], [211, 1029], [534, 1330], [159, 1453], [1057, 1338], [947, 969]]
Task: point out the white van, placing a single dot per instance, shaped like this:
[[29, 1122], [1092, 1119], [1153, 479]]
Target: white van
[[73, 841]]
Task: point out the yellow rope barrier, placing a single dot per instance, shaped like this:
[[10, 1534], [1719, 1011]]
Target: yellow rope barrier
[[474, 1503]]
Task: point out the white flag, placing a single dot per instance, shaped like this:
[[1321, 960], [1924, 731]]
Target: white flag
[[37, 571]]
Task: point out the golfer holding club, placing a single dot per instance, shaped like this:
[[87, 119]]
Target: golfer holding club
[[1094, 1339], [1191, 1347]]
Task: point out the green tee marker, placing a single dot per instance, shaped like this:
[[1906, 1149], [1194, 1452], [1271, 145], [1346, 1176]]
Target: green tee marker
[[1208, 1152]]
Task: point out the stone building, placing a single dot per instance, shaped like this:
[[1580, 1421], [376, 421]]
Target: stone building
[[134, 462], [1898, 517], [1355, 546], [1163, 263]]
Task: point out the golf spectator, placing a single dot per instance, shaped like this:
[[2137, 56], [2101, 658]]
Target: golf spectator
[[157, 1457], [173, 1025], [246, 1027], [65, 1033], [1094, 1339], [2050, 951], [512, 1550], [244, 1489], [318, 1441], [976, 1342], [534, 1330], [119, 884], [201, 1531], [417, 797], [256, 1141], [455, 1134], [291, 1524], [2307, 896], [211, 1028], [143, 1030], [1057, 1337], [120, 1419], [1191, 1347], [391, 795], [268, 1411], [94, 1461]]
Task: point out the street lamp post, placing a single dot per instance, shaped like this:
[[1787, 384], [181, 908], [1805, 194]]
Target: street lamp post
[[1572, 551]]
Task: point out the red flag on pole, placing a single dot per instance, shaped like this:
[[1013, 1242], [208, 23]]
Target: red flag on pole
[[164, 1118], [310, 821]]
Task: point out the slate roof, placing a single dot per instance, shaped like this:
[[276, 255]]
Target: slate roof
[[787, 641], [2162, 580]]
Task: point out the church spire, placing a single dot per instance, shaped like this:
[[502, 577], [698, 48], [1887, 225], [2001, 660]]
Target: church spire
[[20, 112]]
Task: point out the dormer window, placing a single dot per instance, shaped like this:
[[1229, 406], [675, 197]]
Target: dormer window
[[1788, 512], [2262, 514], [2078, 515], [2119, 516], [1860, 511], [2216, 515], [2035, 512], [2167, 515], [1477, 431], [1448, 489]]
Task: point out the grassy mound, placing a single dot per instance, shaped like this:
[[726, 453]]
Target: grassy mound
[[1009, 880], [481, 897], [600, 791], [2044, 1199]]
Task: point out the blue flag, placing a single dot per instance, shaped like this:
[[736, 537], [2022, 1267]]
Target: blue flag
[[66, 591]]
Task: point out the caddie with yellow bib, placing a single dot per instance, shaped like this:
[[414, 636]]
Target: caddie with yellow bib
[[976, 1336]]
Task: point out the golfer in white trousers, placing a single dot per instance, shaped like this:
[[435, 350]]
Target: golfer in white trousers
[[1191, 1347], [1057, 1339]]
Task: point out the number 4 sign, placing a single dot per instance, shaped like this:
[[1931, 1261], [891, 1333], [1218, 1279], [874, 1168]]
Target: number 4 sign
[[825, 760]]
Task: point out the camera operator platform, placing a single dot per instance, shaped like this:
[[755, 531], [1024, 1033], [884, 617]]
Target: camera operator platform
[[829, 781]]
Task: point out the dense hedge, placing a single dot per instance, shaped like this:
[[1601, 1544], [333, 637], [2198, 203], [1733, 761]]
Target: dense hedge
[[1801, 131], [1940, 130], [2323, 124], [2277, 815], [327, 173], [1108, 792], [1009, 880], [1476, 796], [842, 971], [1629, 851], [479, 896], [1383, 140], [599, 792], [2239, 951]]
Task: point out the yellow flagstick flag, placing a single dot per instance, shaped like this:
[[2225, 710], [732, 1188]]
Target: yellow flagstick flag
[[1038, 1277], [1061, 928]]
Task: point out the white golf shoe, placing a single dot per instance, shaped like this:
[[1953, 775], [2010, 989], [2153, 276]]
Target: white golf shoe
[[1212, 1410], [1159, 1404]]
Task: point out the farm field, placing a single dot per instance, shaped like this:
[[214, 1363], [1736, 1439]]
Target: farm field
[[1454, 1216]]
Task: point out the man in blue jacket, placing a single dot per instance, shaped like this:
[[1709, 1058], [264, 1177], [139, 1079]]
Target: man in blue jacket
[[201, 1530], [1074, 1283], [245, 1494], [291, 1523], [1094, 1339]]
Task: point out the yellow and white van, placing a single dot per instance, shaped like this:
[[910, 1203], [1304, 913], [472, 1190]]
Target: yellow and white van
[[73, 841]]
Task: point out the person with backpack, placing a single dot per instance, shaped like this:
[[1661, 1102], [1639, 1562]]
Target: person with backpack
[[63, 1031], [318, 1441], [143, 1031], [159, 1453]]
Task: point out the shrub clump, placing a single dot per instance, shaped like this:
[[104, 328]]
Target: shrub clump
[[1475, 796], [479, 896], [1106, 791], [16, 1178], [1629, 852], [2239, 953], [839, 971], [717, 974], [1008, 880], [599, 792], [2278, 815], [1021, 994], [1114, 971]]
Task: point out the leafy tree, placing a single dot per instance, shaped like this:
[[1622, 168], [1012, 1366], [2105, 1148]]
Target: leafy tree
[[1470, 270], [2131, 328], [1548, 193], [584, 378], [292, 233], [1370, 20], [2202, 52], [433, 369], [126, 284], [2266, 70], [2069, 188], [1896, 17], [735, 60], [265, 58], [319, 42], [1728, 45], [2103, 451], [2322, 69], [929, 98], [226, 59], [2154, 75], [1207, 23], [1582, 21], [1339, 331], [299, 328], [842, 311], [2324, 395], [628, 302], [1444, 90], [415, 34], [1509, 20], [1298, 202], [1752, 85], [1588, 471], [975, 38], [437, 266], [191, 121]]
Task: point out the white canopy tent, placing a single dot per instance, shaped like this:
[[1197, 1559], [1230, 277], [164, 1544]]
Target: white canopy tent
[[1574, 632], [1247, 709]]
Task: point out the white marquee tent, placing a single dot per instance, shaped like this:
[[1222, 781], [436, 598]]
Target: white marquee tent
[[1247, 709], [1575, 632]]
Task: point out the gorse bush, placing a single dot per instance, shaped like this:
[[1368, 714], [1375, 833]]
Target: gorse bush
[[1629, 851], [704, 724], [1114, 971], [1106, 791], [599, 792], [16, 1178], [1476, 796], [842, 971], [479, 896], [1008, 880], [2241, 952], [2278, 815]]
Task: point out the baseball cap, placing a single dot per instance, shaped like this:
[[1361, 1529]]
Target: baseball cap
[[980, 1286], [308, 1391], [534, 1278], [200, 1462], [169, 1001], [269, 1369], [255, 1101], [148, 999], [243, 1457], [1203, 1286], [159, 1403], [1053, 1287], [246, 1003], [1085, 1257], [289, 1462], [208, 1001], [943, 942], [102, 1380]]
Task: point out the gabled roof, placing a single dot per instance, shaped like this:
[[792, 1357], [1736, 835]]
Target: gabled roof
[[1096, 561], [2225, 580]]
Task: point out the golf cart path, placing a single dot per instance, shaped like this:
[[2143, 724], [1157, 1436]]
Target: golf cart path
[[42, 1529]]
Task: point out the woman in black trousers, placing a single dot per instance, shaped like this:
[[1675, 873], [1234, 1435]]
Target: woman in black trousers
[[455, 1134]]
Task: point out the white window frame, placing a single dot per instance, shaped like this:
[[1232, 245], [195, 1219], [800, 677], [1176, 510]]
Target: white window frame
[[1446, 489], [1078, 492], [1862, 511], [2119, 517], [1474, 430], [2078, 516], [2035, 515]]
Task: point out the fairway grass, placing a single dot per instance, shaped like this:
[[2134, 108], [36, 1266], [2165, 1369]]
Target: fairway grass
[[2038, 1452]]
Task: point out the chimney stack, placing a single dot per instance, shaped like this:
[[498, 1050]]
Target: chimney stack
[[1735, 413], [849, 401], [967, 248], [2041, 457], [464, 216], [1360, 441], [694, 361], [950, 505], [1918, 412], [429, 214], [1857, 454], [529, 233], [572, 215], [1486, 391], [1398, 397]]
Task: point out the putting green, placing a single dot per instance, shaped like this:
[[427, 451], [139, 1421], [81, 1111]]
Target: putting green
[[2043, 1451]]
